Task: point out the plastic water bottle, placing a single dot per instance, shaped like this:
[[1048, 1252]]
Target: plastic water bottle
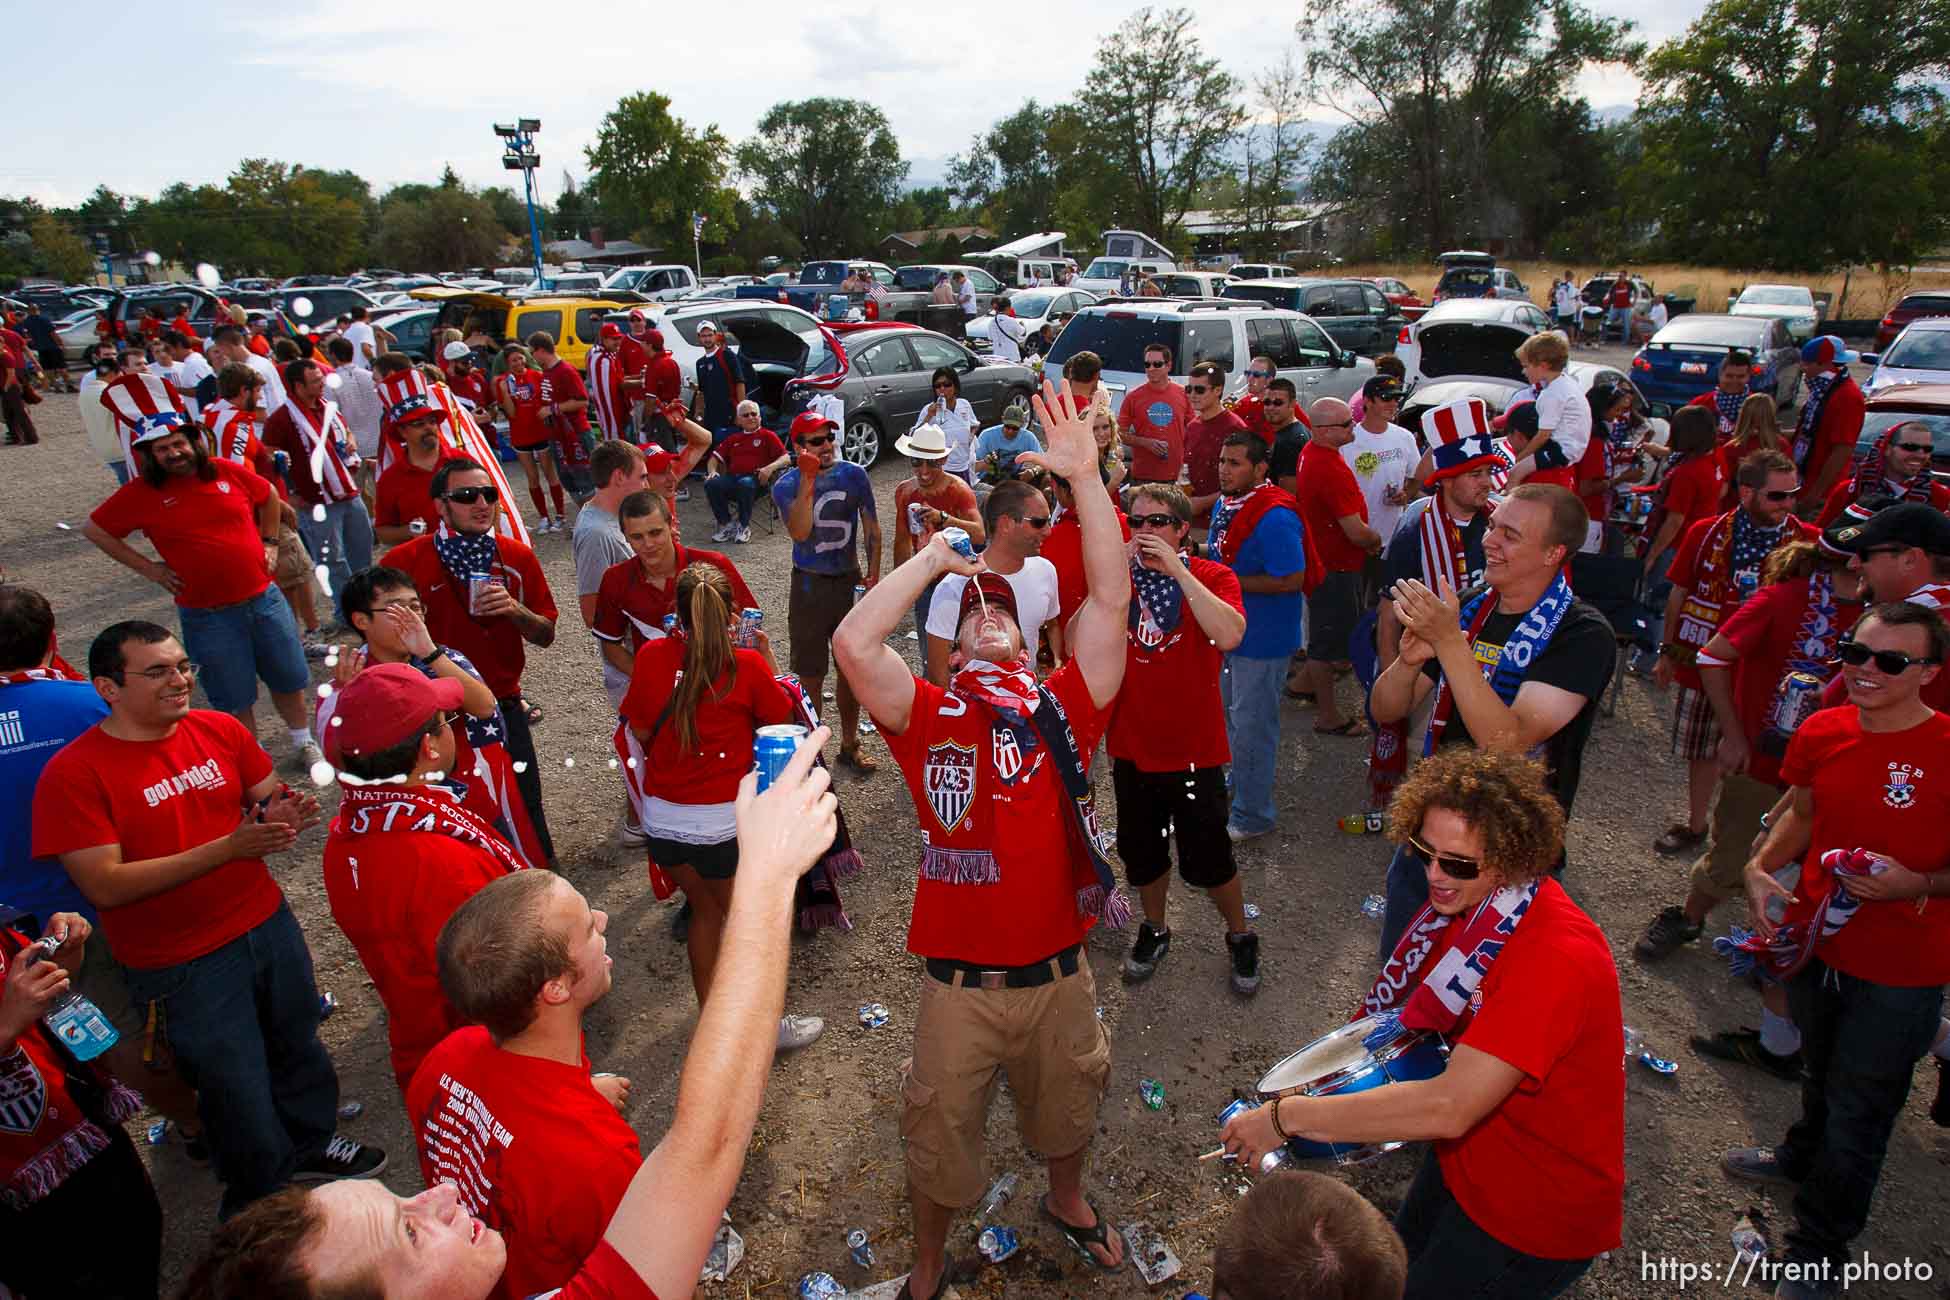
[[1634, 1044], [1749, 1242], [75, 1021], [999, 1193]]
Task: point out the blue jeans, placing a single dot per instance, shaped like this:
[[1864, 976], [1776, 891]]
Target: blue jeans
[[722, 489], [237, 644], [1652, 604], [341, 541], [1450, 1258], [1251, 689], [1620, 319], [1861, 1042], [242, 1022], [120, 469]]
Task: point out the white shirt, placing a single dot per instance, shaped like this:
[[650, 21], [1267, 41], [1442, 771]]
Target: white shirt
[[99, 423], [966, 297], [1564, 417], [359, 334], [1005, 337], [1035, 587], [186, 375], [358, 397], [957, 422], [1658, 314], [1382, 461], [273, 396], [1567, 299]]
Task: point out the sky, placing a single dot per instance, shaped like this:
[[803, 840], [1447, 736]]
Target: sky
[[394, 92]]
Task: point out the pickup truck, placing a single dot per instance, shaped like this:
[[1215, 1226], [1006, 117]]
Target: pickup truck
[[819, 284]]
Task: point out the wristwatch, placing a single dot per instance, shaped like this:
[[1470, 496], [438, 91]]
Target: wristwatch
[[416, 526]]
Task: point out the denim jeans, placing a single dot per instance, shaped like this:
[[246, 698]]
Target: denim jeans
[[242, 1022], [1861, 1042], [238, 644], [1652, 604], [1407, 892], [1251, 689], [722, 489], [528, 776], [1450, 1258], [341, 541], [120, 469]]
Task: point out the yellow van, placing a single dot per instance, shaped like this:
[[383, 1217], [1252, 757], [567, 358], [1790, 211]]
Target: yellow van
[[571, 319]]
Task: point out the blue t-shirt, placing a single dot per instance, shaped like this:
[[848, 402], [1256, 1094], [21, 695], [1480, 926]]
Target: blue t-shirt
[[1272, 621], [37, 719], [715, 385], [992, 442], [841, 495]]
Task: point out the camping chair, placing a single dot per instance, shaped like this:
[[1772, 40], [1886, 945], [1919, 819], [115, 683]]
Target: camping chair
[[1610, 583]]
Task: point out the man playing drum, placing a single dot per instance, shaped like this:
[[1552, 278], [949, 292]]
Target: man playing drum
[[1524, 1183]]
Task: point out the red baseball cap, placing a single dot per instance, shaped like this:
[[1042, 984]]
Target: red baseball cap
[[384, 705], [610, 330], [995, 587], [658, 461], [810, 422]]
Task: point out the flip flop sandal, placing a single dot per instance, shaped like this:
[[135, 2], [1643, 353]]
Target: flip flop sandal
[[940, 1288], [1082, 1239], [534, 712], [853, 758], [1352, 727], [1678, 839]]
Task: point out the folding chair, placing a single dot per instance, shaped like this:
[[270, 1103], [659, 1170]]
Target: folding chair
[[1611, 584]]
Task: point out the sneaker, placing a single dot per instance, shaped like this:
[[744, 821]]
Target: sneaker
[[1940, 1108], [1742, 1047], [342, 1158], [1238, 836], [315, 646], [683, 494], [305, 758], [1152, 946], [1678, 838], [1756, 1165], [724, 532], [1244, 949], [744, 534], [798, 1031], [1669, 931]]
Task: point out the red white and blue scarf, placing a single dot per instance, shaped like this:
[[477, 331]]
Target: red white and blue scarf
[[1527, 640], [1809, 923], [1408, 998]]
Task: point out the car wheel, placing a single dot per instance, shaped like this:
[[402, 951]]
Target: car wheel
[[861, 442]]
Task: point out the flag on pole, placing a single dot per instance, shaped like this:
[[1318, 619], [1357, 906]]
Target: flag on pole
[[697, 225]]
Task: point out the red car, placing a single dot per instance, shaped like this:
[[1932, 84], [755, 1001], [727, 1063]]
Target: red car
[[1399, 295], [1913, 306]]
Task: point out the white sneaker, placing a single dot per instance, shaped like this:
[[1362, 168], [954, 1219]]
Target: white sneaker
[[724, 532], [305, 758], [683, 494], [798, 1031], [1238, 836], [744, 533]]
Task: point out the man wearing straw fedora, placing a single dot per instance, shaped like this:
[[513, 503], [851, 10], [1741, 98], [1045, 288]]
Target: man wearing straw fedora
[[929, 502]]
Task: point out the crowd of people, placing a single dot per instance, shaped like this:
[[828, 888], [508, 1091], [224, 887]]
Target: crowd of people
[[1156, 576]]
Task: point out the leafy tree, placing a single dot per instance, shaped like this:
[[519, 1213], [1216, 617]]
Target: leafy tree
[[270, 217], [1274, 147], [827, 168], [59, 251], [650, 172], [971, 175], [511, 210], [443, 230]]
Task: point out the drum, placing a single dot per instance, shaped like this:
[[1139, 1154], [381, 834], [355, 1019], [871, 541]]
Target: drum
[[1339, 1063]]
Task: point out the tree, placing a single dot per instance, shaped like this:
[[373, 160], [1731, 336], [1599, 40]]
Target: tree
[[571, 217], [1763, 112], [1274, 147], [650, 173], [1162, 112], [59, 251], [270, 218], [511, 210], [827, 168], [445, 229]]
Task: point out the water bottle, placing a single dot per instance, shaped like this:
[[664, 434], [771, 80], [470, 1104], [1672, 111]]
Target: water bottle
[[999, 1193], [1374, 907], [76, 1022]]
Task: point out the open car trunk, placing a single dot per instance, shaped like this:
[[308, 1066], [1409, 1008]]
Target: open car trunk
[[1476, 349]]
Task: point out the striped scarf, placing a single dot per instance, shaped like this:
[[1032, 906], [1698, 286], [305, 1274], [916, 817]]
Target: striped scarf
[[1409, 999], [328, 446], [1809, 922], [1527, 640], [1804, 430]]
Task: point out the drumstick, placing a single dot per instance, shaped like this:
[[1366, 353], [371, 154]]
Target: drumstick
[[1218, 1152]]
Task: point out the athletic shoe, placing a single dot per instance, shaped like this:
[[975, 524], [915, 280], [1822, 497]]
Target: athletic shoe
[[683, 494], [1756, 1165], [305, 758], [1245, 962], [1669, 931], [1238, 836], [798, 1031], [724, 532], [342, 1158], [744, 533], [1742, 1047], [1152, 947], [315, 647]]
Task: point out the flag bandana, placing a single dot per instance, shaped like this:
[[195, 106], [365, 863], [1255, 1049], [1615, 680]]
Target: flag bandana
[[1158, 606]]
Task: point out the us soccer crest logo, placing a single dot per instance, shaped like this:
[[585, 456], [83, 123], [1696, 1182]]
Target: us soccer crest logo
[[950, 778], [1901, 790], [23, 1094]]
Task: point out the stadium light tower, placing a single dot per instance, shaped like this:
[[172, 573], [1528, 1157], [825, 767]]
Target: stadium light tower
[[518, 155]]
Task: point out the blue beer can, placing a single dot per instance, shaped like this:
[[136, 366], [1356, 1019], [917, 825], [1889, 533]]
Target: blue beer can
[[772, 748], [959, 540]]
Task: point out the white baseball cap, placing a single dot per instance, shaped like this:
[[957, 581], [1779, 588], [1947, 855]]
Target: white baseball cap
[[456, 351]]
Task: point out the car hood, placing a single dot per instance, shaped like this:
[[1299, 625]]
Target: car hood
[[1885, 376]]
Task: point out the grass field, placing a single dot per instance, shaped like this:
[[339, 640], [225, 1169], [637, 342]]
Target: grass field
[[1869, 292]]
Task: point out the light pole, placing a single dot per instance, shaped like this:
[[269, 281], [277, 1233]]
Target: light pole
[[518, 155]]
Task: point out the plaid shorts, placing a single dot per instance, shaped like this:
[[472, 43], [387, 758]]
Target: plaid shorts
[[1695, 731]]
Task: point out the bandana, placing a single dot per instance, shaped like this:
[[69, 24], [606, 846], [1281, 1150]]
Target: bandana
[[1808, 924], [465, 554], [1804, 430], [1727, 407], [1235, 518], [433, 809], [1527, 640], [1872, 475], [1158, 604], [1408, 998], [329, 449]]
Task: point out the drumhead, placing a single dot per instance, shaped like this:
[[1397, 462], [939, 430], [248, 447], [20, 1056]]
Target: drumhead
[[1330, 1054]]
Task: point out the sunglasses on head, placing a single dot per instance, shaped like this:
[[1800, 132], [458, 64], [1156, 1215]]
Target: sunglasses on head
[[1855, 655], [467, 496], [1153, 521], [819, 441], [1456, 868]]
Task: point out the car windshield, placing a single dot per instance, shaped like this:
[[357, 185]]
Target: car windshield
[[1465, 277], [1714, 331], [1031, 304], [1117, 337], [1777, 296], [1920, 350], [1106, 268]]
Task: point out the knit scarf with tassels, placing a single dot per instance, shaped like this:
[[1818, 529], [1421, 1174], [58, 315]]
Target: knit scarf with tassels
[[816, 902]]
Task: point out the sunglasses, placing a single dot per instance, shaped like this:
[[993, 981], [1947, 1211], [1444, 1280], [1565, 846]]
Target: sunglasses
[[1198, 389], [1919, 448], [1456, 868], [467, 496], [1275, 401], [1892, 662], [1156, 365], [1259, 374], [945, 388], [820, 441], [1775, 498], [1035, 521], [1153, 521]]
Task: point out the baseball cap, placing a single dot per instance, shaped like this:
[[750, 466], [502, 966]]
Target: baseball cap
[[1015, 414], [995, 587], [610, 330], [1908, 523], [658, 461], [456, 351], [383, 706], [1826, 350], [1382, 388], [1519, 419], [707, 325], [810, 422]]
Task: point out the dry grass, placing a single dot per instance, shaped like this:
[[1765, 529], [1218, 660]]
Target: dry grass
[[1869, 292]]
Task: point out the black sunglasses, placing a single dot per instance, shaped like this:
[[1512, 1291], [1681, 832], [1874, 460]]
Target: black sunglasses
[[820, 441], [1198, 388], [1035, 521], [1917, 447], [467, 496], [1153, 521], [1156, 365], [1855, 655], [1775, 498], [1452, 866], [1259, 374]]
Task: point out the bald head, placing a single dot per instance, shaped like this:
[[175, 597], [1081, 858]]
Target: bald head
[[1333, 422]]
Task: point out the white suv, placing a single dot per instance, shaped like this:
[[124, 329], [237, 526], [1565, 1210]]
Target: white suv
[[1229, 333]]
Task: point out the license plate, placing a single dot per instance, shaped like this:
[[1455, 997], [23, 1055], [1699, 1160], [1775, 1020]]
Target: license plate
[[1692, 367]]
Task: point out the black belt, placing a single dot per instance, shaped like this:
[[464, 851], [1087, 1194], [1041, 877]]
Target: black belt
[[969, 975]]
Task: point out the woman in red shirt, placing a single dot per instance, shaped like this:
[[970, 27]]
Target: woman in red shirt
[[1758, 429], [518, 392]]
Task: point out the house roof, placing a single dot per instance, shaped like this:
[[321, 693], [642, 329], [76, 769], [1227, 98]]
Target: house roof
[[916, 238]]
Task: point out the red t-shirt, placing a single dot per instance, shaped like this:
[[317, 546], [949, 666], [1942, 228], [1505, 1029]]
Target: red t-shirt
[[662, 379], [749, 452], [1621, 294], [538, 1155], [260, 345], [1592, 465], [1063, 548], [1841, 424], [630, 607], [605, 1275], [1695, 491], [524, 388], [1544, 1172], [1151, 412], [405, 493], [470, 386], [1874, 790], [494, 644], [391, 893], [155, 799], [1203, 439], [204, 530], [1328, 492], [1031, 912], [1764, 630], [562, 382], [727, 717], [1169, 714]]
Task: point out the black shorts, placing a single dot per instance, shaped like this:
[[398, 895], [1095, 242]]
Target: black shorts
[[711, 861], [53, 360], [1153, 807], [1332, 610], [815, 606]]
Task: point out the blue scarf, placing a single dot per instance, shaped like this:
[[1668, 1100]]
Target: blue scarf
[[1527, 640]]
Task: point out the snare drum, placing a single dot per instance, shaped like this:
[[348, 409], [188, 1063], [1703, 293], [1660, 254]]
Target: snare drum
[[1339, 1063]]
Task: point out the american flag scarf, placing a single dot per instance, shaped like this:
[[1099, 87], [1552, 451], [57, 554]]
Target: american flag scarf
[[1809, 922], [1158, 605], [606, 392], [1445, 559]]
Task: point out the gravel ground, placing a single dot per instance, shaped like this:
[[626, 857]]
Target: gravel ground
[[826, 1156]]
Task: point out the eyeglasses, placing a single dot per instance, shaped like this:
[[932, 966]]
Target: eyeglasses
[[1456, 868], [1775, 498], [1153, 521], [467, 496], [413, 605], [820, 441], [1919, 448], [1277, 403], [1156, 365], [1334, 424], [1259, 374], [1893, 662], [1198, 390], [163, 672]]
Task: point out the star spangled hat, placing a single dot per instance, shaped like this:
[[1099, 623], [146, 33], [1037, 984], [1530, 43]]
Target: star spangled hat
[[1459, 435], [407, 397], [147, 405]]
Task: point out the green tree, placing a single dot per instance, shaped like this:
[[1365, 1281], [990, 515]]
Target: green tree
[[1274, 150], [59, 251], [828, 169], [445, 229], [1162, 112], [511, 210], [650, 173]]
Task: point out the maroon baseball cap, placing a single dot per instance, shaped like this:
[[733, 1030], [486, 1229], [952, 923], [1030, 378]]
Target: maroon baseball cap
[[384, 705], [996, 588]]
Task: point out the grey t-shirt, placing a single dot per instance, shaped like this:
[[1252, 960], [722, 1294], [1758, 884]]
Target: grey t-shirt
[[598, 544]]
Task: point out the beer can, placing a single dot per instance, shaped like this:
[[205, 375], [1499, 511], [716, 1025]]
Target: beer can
[[1746, 582], [772, 749], [958, 539], [859, 592], [477, 584], [917, 518], [749, 623], [670, 625], [1800, 696]]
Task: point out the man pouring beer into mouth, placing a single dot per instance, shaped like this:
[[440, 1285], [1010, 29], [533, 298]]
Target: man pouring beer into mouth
[[1524, 1182]]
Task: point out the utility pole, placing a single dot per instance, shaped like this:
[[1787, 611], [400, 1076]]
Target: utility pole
[[518, 155]]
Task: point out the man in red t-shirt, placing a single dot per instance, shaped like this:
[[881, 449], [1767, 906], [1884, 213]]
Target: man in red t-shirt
[[663, 386], [1248, 406], [1867, 986], [638, 594], [742, 465], [1831, 417], [1717, 567], [1524, 1182], [463, 378], [565, 411], [162, 815], [1167, 733], [486, 597], [403, 506], [1152, 420], [1334, 515], [1897, 468], [404, 852], [1211, 424], [616, 367]]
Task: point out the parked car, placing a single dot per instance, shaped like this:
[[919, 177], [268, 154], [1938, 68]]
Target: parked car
[[1468, 339], [666, 282], [1402, 298], [78, 334], [317, 307], [1597, 292], [1911, 306], [1927, 404], [1792, 303], [1500, 393], [1683, 360], [1034, 308], [1229, 332], [573, 320], [818, 282], [1479, 280], [127, 306], [1192, 284], [1260, 271], [411, 327], [1106, 275], [1353, 312], [918, 277], [1920, 355]]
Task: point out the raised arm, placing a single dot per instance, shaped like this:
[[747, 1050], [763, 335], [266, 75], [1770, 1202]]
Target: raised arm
[[876, 672]]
